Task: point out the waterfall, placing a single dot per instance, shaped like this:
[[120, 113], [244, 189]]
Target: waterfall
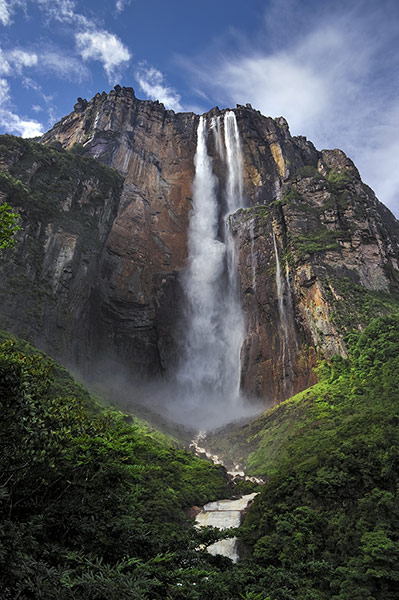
[[281, 284], [210, 367], [217, 132], [253, 255], [234, 192]]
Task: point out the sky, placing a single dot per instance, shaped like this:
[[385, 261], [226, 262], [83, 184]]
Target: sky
[[330, 67]]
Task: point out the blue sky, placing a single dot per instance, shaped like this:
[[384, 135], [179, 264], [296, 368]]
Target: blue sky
[[329, 66]]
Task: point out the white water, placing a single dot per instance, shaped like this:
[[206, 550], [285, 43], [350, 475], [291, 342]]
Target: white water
[[224, 514], [234, 190], [253, 255], [236, 472], [216, 127], [210, 369], [281, 283]]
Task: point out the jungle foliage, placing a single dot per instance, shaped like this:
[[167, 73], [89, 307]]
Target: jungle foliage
[[92, 500], [8, 226], [326, 526]]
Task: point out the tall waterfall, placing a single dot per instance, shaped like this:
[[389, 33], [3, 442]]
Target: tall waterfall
[[281, 284], [210, 366]]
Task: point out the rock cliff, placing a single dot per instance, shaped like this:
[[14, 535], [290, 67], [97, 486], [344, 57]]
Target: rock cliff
[[317, 252]]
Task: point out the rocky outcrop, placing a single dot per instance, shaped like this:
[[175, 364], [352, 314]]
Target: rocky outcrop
[[313, 242]]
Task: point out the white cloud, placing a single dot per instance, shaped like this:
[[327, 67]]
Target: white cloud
[[12, 122], [105, 47], [64, 12], [152, 83], [7, 9], [4, 64], [13, 61], [327, 72], [46, 60], [4, 91], [5, 13], [20, 58], [122, 4], [62, 65], [92, 43]]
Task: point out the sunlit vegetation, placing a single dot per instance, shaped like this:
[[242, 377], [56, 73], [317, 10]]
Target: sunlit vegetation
[[354, 304], [326, 524], [93, 501], [8, 226]]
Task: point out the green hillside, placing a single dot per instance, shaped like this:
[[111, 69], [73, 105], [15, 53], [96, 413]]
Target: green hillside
[[326, 525], [93, 500]]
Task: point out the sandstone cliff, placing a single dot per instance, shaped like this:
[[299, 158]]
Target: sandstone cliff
[[318, 253]]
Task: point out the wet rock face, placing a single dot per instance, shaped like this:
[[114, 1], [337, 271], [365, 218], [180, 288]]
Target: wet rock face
[[106, 254], [333, 238]]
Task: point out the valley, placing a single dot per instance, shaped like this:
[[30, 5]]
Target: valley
[[199, 326]]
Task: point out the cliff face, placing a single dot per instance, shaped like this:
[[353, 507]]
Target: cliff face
[[317, 253], [153, 149], [48, 282]]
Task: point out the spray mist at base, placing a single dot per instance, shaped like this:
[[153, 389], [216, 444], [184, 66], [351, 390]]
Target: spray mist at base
[[203, 393]]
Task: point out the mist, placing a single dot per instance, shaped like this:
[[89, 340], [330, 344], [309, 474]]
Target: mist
[[203, 391]]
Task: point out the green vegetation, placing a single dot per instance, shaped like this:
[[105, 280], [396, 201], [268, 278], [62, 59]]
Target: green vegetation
[[309, 171], [8, 226], [320, 240], [326, 525], [93, 501], [260, 211], [336, 196], [43, 178], [338, 179], [354, 304]]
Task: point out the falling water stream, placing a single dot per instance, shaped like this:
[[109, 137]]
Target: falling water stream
[[210, 366], [281, 284], [204, 391]]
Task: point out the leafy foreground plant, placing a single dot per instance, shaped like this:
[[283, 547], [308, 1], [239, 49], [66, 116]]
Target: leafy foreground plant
[[92, 501]]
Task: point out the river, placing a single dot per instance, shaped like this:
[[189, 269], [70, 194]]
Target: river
[[224, 514]]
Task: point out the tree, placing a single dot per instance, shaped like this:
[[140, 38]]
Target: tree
[[8, 226]]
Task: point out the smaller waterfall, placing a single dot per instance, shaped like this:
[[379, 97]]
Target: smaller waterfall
[[224, 514], [216, 127], [253, 255], [282, 285], [234, 191], [233, 315]]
